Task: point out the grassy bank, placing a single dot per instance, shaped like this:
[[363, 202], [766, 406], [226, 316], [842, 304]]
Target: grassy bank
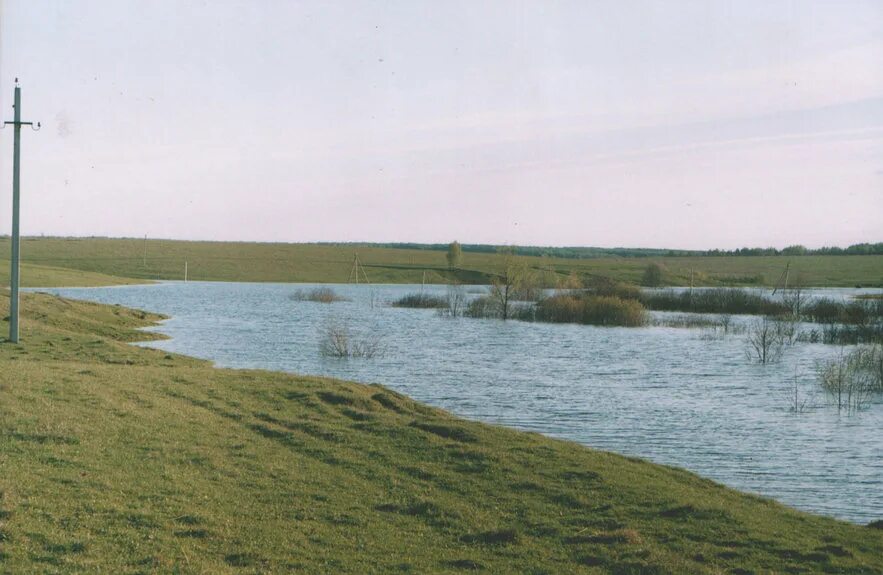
[[129, 460], [232, 261], [48, 276]]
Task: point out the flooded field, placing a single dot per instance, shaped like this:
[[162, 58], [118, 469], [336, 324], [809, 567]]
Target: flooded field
[[684, 397]]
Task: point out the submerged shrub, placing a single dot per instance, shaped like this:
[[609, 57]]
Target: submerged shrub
[[612, 288], [420, 300], [851, 379], [491, 307], [320, 294], [591, 309], [484, 307], [839, 334], [720, 300], [454, 302], [337, 340], [766, 340], [857, 312], [688, 321], [869, 361]]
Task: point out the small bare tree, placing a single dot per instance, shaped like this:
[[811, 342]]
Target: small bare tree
[[515, 279], [764, 343], [870, 361], [847, 382], [337, 341], [455, 301], [794, 296], [799, 400], [786, 328], [725, 320]]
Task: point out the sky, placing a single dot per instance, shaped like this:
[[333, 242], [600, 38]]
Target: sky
[[671, 124]]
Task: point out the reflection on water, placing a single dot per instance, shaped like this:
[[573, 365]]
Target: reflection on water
[[669, 395]]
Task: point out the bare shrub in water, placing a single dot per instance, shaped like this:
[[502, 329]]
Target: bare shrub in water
[[786, 328], [799, 401], [337, 340], [869, 361], [764, 342], [850, 379], [484, 307], [455, 302]]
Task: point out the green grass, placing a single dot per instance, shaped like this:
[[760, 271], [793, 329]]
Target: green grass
[[264, 262], [119, 459], [47, 276]]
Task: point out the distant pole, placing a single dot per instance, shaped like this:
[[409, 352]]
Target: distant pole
[[14, 278], [185, 271], [691, 284], [144, 261]]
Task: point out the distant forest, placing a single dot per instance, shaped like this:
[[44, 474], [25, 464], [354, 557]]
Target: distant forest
[[586, 253]]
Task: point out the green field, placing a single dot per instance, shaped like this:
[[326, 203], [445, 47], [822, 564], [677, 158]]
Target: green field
[[47, 276], [265, 262], [119, 459]]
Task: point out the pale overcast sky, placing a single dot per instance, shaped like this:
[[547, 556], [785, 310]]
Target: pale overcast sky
[[684, 124]]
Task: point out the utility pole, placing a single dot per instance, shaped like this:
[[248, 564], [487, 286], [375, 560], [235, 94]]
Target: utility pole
[[691, 284], [14, 279], [357, 267]]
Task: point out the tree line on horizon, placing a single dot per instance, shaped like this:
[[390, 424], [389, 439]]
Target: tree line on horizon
[[594, 252], [570, 252]]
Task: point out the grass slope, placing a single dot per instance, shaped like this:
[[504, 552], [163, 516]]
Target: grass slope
[[120, 459], [239, 261], [46, 276]]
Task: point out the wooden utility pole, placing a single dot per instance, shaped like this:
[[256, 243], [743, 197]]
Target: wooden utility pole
[[691, 284], [14, 278], [357, 267], [783, 280]]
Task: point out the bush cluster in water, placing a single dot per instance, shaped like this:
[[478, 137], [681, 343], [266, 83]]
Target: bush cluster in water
[[591, 309], [420, 300], [722, 300], [320, 294], [572, 307], [857, 312]]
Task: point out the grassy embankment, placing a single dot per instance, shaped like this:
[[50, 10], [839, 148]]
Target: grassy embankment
[[121, 459], [231, 261], [47, 276]]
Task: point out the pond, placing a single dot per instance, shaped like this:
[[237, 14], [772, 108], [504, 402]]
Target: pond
[[671, 395]]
